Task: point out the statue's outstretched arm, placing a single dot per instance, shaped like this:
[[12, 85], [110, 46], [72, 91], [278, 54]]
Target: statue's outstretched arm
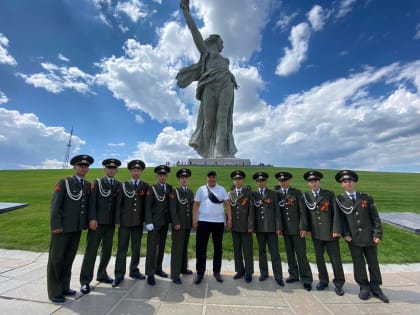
[[197, 37]]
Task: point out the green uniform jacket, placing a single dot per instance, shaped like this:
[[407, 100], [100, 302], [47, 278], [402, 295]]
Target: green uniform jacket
[[267, 211], [361, 222], [103, 200], [181, 208], [130, 204], [323, 216], [157, 205], [66, 212], [243, 218], [292, 210]]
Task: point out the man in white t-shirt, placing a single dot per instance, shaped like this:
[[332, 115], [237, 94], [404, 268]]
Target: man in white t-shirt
[[209, 218]]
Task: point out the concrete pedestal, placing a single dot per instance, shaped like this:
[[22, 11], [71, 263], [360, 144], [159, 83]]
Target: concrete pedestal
[[219, 162]]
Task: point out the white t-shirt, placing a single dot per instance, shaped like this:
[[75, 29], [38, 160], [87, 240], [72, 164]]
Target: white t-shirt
[[208, 210]]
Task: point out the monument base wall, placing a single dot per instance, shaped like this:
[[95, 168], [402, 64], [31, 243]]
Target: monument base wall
[[219, 162]]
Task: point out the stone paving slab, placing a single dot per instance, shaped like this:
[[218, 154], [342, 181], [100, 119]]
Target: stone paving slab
[[9, 206], [23, 291], [408, 221]]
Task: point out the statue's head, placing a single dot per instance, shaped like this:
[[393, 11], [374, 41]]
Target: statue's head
[[214, 39]]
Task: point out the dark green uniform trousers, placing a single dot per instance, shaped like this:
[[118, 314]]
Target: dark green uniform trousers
[[134, 233], [243, 252], [333, 250], [63, 249], [358, 255], [156, 241], [104, 234], [179, 251], [271, 240], [297, 260]]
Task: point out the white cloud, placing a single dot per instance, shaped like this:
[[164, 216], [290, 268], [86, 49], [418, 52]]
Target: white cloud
[[139, 119], [417, 35], [227, 17], [285, 20], [3, 98], [294, 56], [132, 8], [144, 80], [115, 145], [170, 145], [344, 8], [28, 143], [5, 57], [338, 124], [317, 17], [63, 58], [115, 13], [56, 79]]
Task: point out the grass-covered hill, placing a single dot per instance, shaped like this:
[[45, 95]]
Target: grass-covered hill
[[28, 228]]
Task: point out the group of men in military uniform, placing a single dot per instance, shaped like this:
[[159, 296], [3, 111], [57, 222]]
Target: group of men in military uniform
[[107, 203], [289, 212], [130, 205]]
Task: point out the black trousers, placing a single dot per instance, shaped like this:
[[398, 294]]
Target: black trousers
[[358, 255], [104, 235], [125, 234], [179, 252], [243, 252], [333, 250], [204, 229], [296, 248], [156, 241], [270, 240], [63, 249]]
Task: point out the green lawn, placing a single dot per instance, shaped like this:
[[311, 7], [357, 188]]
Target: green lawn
[[28, 228]]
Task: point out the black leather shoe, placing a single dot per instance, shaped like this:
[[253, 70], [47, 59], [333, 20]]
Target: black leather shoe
[[85, 289], [106, 280], [262, 278], [248, 278], [291, 280], [307, 286], [187, 272], [116, 282], [382, 297], [218, 277], [321, 286], [162, 274], [339, 291], [177, 280], [151, 280], [238, 275], [58, 299], [280, 282], [69, 292], [138, 276], [198, 279], [364, 295]]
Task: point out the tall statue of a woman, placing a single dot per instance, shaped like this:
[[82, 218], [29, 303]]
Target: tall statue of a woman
[[213, 136]]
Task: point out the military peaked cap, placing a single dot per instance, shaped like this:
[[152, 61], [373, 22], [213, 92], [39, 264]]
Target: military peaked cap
[[312, 175], [136, 164], [82, 160], [111, 163], [260, 176], [183, 172], [283, 176], [237, 174], [346, 174], [162, 169]]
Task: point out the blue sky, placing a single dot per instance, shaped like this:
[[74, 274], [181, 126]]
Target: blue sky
[[323, 84]]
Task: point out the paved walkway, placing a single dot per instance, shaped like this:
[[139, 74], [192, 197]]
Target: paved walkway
[[23, 291]]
